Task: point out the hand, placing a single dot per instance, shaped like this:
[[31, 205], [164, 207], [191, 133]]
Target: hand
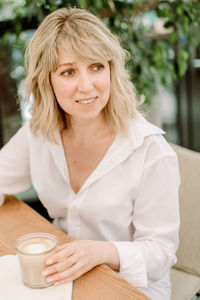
[[78, 257]]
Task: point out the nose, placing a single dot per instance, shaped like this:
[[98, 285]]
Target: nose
[[85, 82]]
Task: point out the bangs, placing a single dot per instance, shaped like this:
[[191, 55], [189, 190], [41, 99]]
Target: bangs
[[84, 42]]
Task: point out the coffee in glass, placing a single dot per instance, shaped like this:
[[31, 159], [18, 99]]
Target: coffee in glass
[[33, 250]]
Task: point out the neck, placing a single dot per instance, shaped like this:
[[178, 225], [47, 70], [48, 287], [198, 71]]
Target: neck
[[87, 129]]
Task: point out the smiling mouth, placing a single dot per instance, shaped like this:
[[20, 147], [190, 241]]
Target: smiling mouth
[[86, 101]]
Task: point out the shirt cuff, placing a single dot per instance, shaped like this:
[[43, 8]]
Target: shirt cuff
[[132, 263], [2, 198]]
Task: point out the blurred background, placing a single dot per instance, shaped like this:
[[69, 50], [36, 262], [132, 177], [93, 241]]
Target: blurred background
[[162, 36]]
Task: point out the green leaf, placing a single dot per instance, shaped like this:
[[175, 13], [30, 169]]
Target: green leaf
[[174, 37], [182, 67], [5, 38], [179, 10], [185, 25], [184, 54], [82, 3], [163, 10]]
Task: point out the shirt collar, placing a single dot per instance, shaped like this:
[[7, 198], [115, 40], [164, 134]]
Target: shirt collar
[[139, 129], [121, 148]]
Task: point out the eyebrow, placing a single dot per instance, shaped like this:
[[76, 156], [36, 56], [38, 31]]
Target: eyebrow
[[66, 64]]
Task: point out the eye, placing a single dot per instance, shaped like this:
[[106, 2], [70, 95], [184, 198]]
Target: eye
[[97, 67], [69, 72]]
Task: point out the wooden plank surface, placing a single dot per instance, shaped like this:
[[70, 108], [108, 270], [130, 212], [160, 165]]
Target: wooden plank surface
[[101, 283]]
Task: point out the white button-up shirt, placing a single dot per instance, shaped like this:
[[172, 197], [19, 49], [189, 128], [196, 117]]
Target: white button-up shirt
[[130, 199]]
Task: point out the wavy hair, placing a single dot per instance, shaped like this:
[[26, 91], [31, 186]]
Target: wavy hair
[[87, 36]]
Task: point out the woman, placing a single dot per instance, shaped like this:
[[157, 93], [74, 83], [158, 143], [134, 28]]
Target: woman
[[106, 176]]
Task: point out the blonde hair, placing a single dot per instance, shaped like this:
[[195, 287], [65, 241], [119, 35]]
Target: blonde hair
[[81, 32]]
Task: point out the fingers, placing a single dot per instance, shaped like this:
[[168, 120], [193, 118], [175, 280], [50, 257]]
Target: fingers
[[63, 252], [60, 266], [67, 270], [70, 278], [68, 275], [63, 246], [71, 261]]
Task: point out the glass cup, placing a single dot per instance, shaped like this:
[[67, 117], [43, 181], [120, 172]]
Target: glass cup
[[33, 250]]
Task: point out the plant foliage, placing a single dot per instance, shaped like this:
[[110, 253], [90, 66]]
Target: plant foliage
[[160, 35]]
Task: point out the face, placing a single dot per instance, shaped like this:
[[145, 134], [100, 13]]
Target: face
[[82, 87]]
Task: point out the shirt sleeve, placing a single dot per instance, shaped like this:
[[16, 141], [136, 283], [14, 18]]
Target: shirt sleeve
[[14, 164], [156, 221]]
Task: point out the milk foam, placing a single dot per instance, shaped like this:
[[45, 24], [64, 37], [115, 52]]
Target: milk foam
[[35, 248]]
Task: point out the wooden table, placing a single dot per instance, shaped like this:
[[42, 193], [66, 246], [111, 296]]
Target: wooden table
[[101, 283]]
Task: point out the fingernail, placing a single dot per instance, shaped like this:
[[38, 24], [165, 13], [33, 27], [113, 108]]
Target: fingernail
[[49, 279], [49, 261], [57, 283]]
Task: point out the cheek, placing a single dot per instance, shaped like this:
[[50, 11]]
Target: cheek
[[104, 85], [62, 90], [107, 88]]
